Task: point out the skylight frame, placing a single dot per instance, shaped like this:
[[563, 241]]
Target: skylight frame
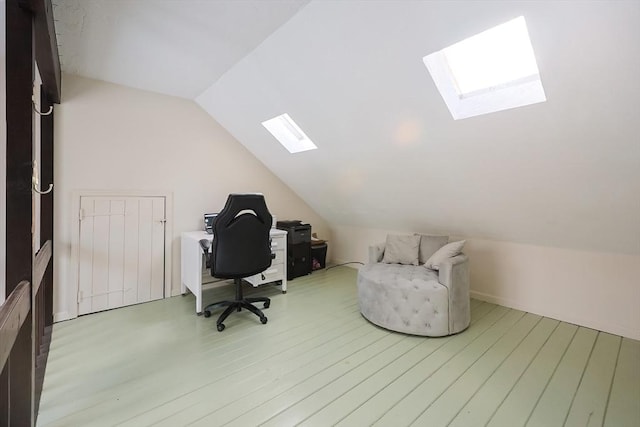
[[520, 89], [289, 134]]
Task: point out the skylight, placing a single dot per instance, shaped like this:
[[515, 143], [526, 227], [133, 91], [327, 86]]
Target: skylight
[[289, 134], [491, 71]]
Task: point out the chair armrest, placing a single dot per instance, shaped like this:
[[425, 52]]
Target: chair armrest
[[376, 252], [454, 274], [454, 271]]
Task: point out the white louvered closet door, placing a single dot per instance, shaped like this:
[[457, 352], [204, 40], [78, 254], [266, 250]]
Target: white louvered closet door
[[121, 251]]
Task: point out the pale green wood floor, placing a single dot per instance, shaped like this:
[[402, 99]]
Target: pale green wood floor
[[318, 362]]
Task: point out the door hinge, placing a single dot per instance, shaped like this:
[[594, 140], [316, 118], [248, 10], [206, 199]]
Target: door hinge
[[81, 214], [80, 296]]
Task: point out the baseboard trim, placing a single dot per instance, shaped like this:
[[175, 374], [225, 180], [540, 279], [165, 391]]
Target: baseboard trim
[[62, 316], [564, 317]]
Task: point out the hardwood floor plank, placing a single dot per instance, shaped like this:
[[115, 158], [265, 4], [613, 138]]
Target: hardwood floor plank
[[317, 399], [498, 378], [515, 409], [259, 410], [240, 395], [450, 399], [591, 398], [319, 362], [248, 378], [376, 407], [140, 382], [220, 360], [624, 402], [242, 405], [429, 388], [555, 401], [344, 404]]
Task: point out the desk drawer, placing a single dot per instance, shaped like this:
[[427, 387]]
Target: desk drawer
[[279, 259], [271, 274], [279, 242]]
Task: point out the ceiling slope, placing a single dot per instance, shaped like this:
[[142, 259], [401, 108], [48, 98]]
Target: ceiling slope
[[168, 46], [562, 173]]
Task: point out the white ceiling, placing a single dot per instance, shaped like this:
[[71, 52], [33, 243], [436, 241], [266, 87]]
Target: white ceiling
[[175, 47], [563, 173]]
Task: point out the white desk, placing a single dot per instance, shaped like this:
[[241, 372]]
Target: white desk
[[194, 276]]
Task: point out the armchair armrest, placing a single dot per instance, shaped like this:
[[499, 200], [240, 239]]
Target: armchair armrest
[[454, 274], [376, 252], [447, 267]]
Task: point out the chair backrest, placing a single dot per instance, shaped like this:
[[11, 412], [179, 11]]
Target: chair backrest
[[241, 242]]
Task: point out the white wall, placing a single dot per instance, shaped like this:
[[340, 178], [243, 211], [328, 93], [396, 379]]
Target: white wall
[[595, 289], [3, 154], [110, 137]]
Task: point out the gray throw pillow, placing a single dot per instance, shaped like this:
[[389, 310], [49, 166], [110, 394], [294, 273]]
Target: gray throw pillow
[[429, 245], [447, 251], [401, 249]]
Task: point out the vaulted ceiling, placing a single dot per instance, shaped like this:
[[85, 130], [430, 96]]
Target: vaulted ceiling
[[175, 47], [564, 173]]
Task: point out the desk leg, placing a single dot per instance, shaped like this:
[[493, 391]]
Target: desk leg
[[198, 296]]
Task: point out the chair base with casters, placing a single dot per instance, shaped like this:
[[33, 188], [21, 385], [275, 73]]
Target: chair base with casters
[[237, 305]]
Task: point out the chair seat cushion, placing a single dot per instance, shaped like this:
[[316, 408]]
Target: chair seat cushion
[[404, 298]]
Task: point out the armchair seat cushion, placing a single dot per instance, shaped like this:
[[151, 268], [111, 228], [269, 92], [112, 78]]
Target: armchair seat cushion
[[404, 298]]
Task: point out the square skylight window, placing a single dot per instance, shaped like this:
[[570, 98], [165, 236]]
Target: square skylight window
[[289, 134], [491, 71]]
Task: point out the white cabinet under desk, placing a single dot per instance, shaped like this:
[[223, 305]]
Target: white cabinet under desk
[[194, 275]]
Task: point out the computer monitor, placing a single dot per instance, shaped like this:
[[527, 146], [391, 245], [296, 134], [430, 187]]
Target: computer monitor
[[208, 222]]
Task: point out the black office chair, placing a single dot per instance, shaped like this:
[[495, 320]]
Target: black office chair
[[241, 247]]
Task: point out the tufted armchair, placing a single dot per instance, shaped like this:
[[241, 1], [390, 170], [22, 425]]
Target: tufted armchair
[[415, 299]]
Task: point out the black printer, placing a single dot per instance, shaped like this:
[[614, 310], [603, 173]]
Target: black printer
[[298, 247]]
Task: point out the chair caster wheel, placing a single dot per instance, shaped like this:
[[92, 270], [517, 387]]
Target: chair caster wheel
[[207, 313], [263, 319], [220, 327], [267, 304]]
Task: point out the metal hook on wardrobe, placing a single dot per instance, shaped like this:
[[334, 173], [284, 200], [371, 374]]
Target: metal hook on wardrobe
[[35, 183], [41, 113]]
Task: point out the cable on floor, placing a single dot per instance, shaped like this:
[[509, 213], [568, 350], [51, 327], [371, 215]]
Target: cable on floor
[[345, 263]]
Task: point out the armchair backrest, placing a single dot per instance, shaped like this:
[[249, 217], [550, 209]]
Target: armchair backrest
[[241, 243]]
